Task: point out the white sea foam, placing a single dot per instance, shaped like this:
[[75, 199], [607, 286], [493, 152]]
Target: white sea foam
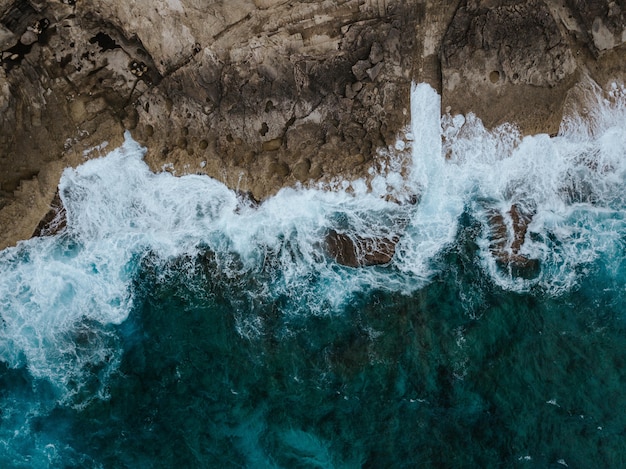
[[574, 183], [60, 296]]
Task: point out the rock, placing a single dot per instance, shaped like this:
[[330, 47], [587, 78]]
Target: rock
[[5, 92], [259, 82], [272, 145], [54, 221], [521, 219], [507, 61], [360, 68], [603, 22], [373, 72], [7, 38], [28, 38], [301, 170], [522, 267], [239, 76], [357, 251], [350, 93], [376, 53], [279, 168], [506, 243], [316, 172]]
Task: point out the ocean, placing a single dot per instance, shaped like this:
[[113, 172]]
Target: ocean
[[174, 323]]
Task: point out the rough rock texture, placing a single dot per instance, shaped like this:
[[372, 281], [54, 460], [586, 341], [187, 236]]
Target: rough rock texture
[[507, 239], [516, 60], [602, 23], [266, 93], [259, 94], [357, 251]]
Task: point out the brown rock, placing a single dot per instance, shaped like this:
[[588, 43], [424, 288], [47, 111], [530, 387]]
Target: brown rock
[[272, 145], [237, 79], [238, 76], [279, 168], [357, 251], [507, 61], [360, 68], [54, 221], [521, 219], [301, 170], [505, 245]]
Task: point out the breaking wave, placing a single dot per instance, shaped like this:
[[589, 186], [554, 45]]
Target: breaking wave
[[62, 296]]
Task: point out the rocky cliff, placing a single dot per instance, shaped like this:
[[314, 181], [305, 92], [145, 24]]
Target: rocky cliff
[[266, 93]]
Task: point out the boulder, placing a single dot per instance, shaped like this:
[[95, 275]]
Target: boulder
[[507, 240], [54, 221], [358, 251]]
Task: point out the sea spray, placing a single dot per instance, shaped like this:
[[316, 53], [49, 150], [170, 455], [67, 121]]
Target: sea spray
[[154, 254], [118, 212]]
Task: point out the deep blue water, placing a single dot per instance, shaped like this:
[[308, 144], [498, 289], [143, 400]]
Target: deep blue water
[[171, 326]]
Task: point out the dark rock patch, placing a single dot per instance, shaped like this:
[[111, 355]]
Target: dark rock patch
[[358, 251], [54, 221]]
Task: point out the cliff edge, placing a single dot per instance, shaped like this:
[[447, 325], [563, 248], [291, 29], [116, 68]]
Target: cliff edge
[[262, 94]]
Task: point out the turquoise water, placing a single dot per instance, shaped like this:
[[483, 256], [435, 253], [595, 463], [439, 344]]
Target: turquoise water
[[171, 325]]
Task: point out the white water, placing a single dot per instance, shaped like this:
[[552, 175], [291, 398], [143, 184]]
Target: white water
[[573, 182], [59, 296]]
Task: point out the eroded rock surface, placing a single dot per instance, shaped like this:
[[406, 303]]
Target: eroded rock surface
[[515, 61], [514, 57], [508, 232], [357, 251], [266, 93], [260, 94]]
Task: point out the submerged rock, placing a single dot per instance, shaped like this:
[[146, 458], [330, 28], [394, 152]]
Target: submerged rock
[[358, 251], [267, 94], [507, 240]]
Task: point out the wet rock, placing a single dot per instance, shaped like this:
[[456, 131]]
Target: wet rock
[[508, 61], [360, 68], [521, 219], [507, 234], [245, 78], [210, 76], [246, 199], [54, 221], [358, 251]]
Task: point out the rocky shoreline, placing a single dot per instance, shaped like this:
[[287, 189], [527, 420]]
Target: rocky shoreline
[[263, 94]]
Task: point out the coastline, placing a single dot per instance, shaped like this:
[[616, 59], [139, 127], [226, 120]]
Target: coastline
[[272, 95]]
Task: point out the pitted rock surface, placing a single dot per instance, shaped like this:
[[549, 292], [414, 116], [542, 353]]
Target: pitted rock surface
[[263, 94]]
